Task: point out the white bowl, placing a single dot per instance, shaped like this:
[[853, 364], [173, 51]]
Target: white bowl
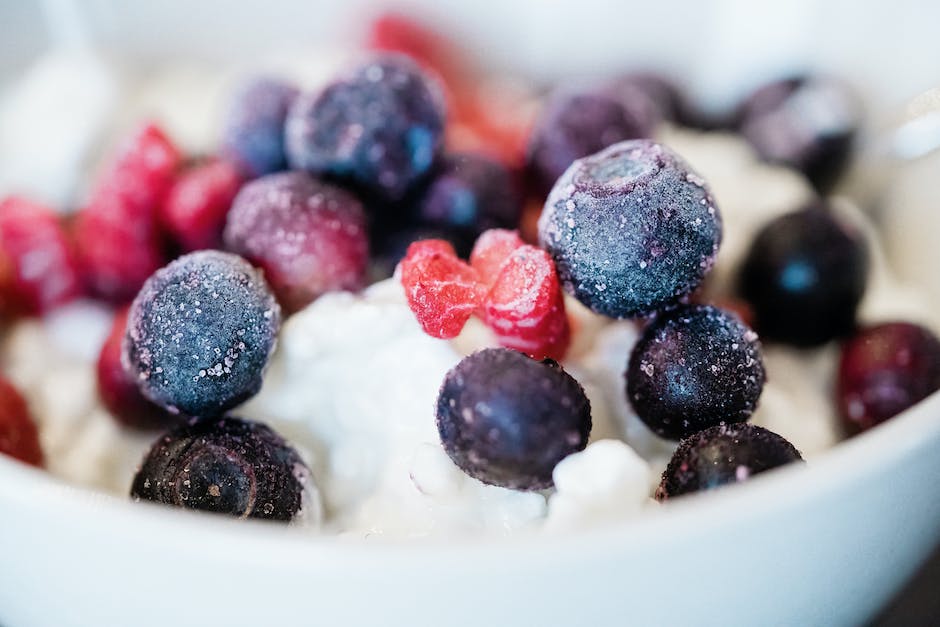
[[827, 543]]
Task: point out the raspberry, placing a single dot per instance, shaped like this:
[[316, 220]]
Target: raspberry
[[525, 306], [118, 390], [117, 234], [197, 203], [18, 435], [38, 269], [443, 291], [491, 250], [393, 32]]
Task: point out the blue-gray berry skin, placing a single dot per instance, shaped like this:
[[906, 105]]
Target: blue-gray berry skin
[[507, 420], [253, 128], [694, 367], [225, 465], [380, 129], [632, 229], [200, 333], [723, 455], [575, 124]]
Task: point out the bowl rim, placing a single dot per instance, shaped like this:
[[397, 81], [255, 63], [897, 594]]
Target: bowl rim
[[37, 492]]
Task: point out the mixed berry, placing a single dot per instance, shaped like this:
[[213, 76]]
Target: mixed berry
[[532, 222]]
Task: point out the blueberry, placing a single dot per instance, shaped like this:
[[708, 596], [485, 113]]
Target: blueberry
[[308, 237], [885, 369], [632, 229], [804, 276], [723, 455], [380, 128], [200, 333], [470, 194], [225, 465], [253, 128], [507, 420], [806, 122], [693, 368], [652, 98], [577, 124]]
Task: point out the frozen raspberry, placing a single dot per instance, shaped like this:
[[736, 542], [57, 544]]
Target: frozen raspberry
[[38, 268], [577, 124], [507, 420], [524, 305], [117, 233], [694, 367], [308, 237], [18, 435], [885, 369], [394, 32], [632, 229], [118, 390], [200, 333], [442, 291], [380, 128], [723, 455], [253, 130], [196, 205], [227, 466]]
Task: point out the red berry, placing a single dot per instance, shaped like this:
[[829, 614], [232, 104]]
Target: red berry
[[442, 291], [885, 369], [118, 390], [525, 306], [394, 32], [196, 205], [117, 233], [492, 250], [38, 269], [19, 437]]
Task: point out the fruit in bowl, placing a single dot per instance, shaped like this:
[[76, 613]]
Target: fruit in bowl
[[492, 385]]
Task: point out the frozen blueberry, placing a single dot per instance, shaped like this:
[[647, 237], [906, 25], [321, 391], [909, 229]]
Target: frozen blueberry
[[470, 194], [507, 420], [577, 124], [806, 122], [381, 128], [693, 368], [632, 229], [253, 128], [804, 276], [308, 237], [885, 369], [225, 465], [200, 332], [723, 455], [651, 97]]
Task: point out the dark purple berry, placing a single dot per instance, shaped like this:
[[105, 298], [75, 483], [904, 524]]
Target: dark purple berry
[[308, 237], [632, 229], [808, 123], [885, 369], [577, 124], [693, 368], [805, 275], [200, 333], [470, 194], [253, 128], [507, 420], [652, 98], [225, 465], [381, 128], [722, 455]]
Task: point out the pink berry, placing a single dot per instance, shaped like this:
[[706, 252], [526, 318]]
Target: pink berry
[[38, 268], [492, 249], [442, 291], [117, 233], [525, 306], [19, 437], [118, 390], [196, 205], [308, 237]]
